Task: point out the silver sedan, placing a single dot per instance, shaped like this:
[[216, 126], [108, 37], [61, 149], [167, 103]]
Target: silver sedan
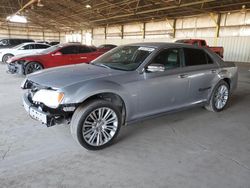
[[127, 84]]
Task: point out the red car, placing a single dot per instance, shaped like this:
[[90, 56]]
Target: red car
[[59, 55]]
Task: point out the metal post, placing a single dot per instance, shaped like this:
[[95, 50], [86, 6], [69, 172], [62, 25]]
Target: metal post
[[105, 33], [92, 35], [174, 28], [144, 30], [122, 31], [218, 25]]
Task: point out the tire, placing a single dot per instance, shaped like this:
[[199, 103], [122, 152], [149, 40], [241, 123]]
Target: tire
[[32, 67], [83, 124], [6, 57], [216, 96]]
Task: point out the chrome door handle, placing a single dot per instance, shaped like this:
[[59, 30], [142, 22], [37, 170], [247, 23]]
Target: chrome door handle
[[183, 76], [213, 71]]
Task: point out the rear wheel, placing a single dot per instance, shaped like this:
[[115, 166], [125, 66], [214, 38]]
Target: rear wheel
[[6, 57], [96, 124], [32, 67], [219, 97]]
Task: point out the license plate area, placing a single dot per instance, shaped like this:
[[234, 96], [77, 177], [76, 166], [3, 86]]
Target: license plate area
[[36, 114]]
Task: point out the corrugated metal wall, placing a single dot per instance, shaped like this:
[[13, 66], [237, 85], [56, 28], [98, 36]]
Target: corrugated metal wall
[[14, 30], [234, 33]]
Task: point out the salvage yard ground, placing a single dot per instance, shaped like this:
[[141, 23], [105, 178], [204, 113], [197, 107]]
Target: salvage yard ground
[[192, 148]]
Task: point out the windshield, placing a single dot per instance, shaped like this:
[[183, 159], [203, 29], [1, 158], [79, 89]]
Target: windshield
[[125, 58], [50, 49]]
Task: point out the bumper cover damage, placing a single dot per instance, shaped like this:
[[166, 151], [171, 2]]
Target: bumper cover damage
[[43, 114], [15, 68]]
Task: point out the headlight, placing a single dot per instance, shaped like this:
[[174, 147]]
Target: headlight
[[50, 98]]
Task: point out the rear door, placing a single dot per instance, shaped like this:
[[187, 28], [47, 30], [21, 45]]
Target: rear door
[[201, 71], [40, 47], [26, 49], [85, 55], [66, 57]]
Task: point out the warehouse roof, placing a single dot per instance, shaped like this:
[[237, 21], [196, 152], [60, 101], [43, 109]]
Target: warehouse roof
[[76, 14]]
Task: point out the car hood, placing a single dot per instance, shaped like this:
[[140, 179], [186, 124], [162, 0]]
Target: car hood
[[26, 55], [61, 77]]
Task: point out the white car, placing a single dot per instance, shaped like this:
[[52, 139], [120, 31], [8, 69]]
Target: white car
[[25, 48]]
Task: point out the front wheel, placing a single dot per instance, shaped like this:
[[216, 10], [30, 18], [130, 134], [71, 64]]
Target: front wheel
[[32, 67], [95, 125], [219, 97]]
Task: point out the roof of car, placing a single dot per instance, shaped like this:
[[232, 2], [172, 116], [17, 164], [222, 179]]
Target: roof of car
[[15, 39], [26, 43], [163, 44]]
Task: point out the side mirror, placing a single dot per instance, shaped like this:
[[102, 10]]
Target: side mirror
[[155, 68], [57, 54]]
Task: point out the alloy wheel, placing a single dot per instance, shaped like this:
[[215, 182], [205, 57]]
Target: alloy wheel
[[100, 126], [221, 97]]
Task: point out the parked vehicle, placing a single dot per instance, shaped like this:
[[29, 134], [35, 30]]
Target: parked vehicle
[[54, 56], [127, 84], [106, 47], [24, 48], [53, 43], [42, 41], [203, 43], [9, 43]]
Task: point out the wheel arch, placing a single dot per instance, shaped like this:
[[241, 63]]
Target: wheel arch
[[228, 81], [30, 61], [112, 97], [7, 54]]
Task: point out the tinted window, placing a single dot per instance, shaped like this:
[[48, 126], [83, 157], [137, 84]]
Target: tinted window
[[69, 50], [170, 58], [203, 43], [15, 41], [28, 47], [25, 40], [194, 57], [84, 49], [41, 46], [209, 59]]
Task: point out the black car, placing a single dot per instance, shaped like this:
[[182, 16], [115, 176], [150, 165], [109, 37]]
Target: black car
[[9, 43], [53, 43], [106, 47]]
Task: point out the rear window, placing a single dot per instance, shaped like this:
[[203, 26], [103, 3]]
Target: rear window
[[195, 57]]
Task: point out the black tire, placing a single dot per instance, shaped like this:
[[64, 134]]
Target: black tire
[[6, 57], [81, 115], [212, 101], [32, 67]]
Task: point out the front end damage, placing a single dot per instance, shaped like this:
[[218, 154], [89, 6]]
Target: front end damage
[[40, 112], [15, 67]]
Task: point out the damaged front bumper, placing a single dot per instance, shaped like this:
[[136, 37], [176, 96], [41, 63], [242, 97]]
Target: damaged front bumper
[[44, 114], [15, 68]]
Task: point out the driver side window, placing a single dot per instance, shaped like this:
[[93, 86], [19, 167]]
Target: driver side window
[[169, 58]]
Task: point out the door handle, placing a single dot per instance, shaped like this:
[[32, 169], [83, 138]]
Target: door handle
[[83, 57], [213, 71], [183, 76]]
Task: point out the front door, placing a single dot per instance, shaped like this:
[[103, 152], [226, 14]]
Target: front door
[[161, 91]]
